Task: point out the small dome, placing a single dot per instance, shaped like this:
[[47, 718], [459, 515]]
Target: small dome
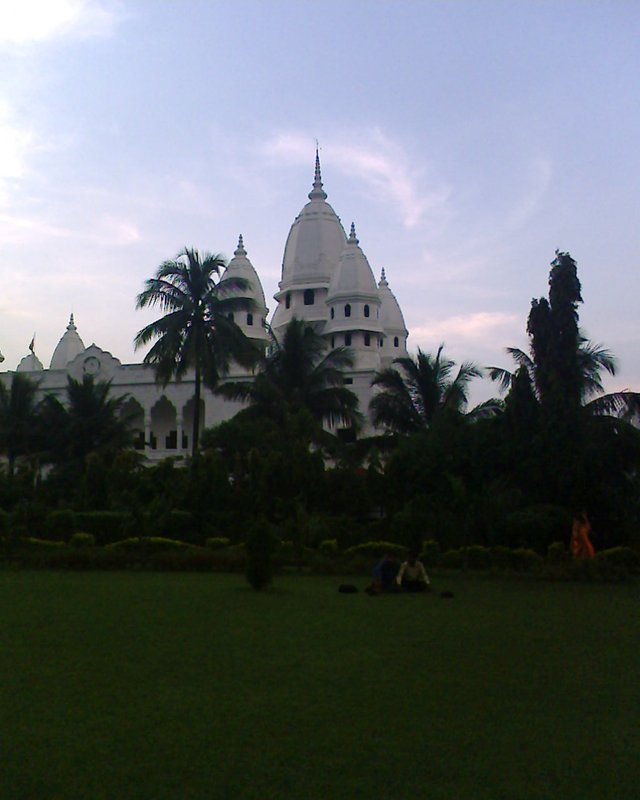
[[353, 290], [390, 313], [30, 363], [69, 346], [241, 267], [353, 276], [251, 320], [315, 241]]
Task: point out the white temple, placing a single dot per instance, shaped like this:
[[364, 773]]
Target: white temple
[[326, 280]]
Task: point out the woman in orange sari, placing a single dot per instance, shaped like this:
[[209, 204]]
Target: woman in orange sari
[[581, 546]]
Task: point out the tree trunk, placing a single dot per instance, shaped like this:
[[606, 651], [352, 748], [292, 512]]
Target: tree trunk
[[196, 415]]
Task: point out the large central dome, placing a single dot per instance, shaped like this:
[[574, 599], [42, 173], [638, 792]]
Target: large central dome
[[315, 242]]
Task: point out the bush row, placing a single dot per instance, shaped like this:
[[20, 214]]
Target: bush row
[[164, 553]]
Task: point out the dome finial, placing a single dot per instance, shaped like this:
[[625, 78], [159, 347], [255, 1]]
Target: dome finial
[[317, 192], [71, 326], [240, 251], [353, 239], [383, 278]]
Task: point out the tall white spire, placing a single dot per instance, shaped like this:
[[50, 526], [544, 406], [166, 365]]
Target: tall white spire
[[240, 251], [317, 193]]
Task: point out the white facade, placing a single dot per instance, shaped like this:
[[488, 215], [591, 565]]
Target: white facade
[[326, 280]]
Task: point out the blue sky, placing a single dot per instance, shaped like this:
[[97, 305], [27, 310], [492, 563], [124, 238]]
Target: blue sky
[[466, 140]]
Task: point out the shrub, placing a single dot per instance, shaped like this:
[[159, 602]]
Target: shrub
[[478, 557], [147, 544], [106, 526], [329, 547], [556, 553], [525, 560], [5, 522], [431, 554], [217, 542], [61, 524], [621, 558], [33, 543], [177, 524], [82, 540], [452, 559], [501, 557], [376, 549], [537, 526]]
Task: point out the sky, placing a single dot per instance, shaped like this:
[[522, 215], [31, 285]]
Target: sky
[[466, 140]]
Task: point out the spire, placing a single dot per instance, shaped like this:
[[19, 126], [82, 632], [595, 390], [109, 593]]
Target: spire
[[383, 278], [240, 251], [353, 239], [71, 326], [317, 193]]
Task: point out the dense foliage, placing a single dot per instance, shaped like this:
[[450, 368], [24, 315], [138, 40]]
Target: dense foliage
[[486, 488]]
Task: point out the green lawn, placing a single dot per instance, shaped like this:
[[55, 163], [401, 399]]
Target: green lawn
[[149, 685]]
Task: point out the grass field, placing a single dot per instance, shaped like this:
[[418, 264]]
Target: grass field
[[192, 686]]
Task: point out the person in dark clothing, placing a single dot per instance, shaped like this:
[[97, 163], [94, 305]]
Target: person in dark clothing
[[384, 575]]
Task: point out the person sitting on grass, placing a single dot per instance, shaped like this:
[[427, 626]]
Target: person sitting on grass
[[412, 576], [384, 575]]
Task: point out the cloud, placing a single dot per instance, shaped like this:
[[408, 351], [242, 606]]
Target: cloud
[[539, 180], [17, 141], [473, 327], [29, 21], [375, 160]]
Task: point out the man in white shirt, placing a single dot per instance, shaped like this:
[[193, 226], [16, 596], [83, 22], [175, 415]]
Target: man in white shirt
[[412, 576]]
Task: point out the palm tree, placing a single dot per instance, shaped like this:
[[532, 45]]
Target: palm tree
[[593, 360], [197, 331], [91, 422], [18, 419], [423, 390], [298, 377]]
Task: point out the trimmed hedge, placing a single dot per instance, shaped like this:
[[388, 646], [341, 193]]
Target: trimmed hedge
[[476, 557], [148, 544], [376, 549], [623, 558], [106, 526], [82, 540], [217, 542], [60, 525], [328, 547]]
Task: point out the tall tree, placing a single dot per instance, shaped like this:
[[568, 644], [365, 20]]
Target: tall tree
[[423, 389], [19, 422], [197, 331], [299, 376], [557, 409], [564, 368]]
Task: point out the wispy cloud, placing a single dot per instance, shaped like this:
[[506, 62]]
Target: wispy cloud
[[31, 21], [17, 141], [539, 177], [473, 327], [374, 159]]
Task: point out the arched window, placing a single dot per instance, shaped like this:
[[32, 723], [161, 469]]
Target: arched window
[[347, 340], [249, 318], [379, 342], [347, 310], [230, 316], [367, 339], [366, 310], [396, 341], [287, 301], [309, 297], [333, 312], [333, 342]]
